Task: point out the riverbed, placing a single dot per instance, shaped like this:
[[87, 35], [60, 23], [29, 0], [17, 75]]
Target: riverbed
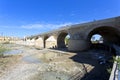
[[48, 64]]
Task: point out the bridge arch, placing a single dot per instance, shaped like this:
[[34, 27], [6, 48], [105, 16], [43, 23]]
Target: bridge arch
[[61, 40], [36, 37], [110, 35]]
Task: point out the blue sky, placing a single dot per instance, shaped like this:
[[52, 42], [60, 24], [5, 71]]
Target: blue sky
[[27, 17]]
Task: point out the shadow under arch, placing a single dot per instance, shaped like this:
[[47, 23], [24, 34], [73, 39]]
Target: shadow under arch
[[44, 40], [36, 37]]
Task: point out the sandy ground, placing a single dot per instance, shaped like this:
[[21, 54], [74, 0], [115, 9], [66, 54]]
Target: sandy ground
[[49, 64]]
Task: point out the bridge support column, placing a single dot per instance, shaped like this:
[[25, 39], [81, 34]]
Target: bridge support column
[[77, 45], [78, 41]]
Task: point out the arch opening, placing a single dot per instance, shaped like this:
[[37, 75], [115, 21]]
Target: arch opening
[[96, 39], [36, 38], [62, 40], [108, 36], [44, 41]]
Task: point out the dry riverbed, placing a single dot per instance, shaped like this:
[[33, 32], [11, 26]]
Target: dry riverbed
[[7, 62], [28, 63]]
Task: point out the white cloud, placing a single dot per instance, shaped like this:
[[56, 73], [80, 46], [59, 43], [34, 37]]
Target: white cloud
[[42, 26]]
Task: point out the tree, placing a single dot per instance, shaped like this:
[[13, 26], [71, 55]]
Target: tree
[[66, 40]]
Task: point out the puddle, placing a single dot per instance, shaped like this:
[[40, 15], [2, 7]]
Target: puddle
[[31, 59], [13, 52]]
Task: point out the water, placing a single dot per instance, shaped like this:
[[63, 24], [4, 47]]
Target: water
[[13, 52], [31, 59]]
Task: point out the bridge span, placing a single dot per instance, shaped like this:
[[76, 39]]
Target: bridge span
[[80, 35]]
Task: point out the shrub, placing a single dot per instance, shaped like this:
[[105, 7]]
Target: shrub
[[2, 50], [7, 42], [118, 61]]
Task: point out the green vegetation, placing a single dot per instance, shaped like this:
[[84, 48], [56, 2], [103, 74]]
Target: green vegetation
[[7, 62], [66, 40], [109, 70], [118, 62], [110, 64], [2, 50]]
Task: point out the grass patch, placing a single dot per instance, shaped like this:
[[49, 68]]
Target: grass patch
[[2, 50], [118, 62], [109, 70]]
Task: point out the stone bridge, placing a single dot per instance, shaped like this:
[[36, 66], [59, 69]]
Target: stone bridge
[[80, 35]]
